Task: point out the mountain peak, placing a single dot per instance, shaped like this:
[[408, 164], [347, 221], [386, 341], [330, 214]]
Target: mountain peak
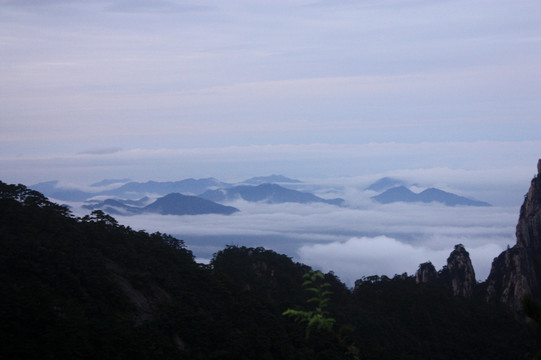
[[385, 183], [458, 274], [403, 194], [178, 204], [461, 273]]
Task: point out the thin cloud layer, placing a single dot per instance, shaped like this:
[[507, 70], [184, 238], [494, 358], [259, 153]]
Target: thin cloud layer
[[484, 163]]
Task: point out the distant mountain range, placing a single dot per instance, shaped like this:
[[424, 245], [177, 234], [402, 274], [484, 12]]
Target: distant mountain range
[[268, 193], [171, 204], [270, 179], [403, 194], [131, 189], [128, 189], [107, 182], [130, 197], [52, 190], [187, 186]]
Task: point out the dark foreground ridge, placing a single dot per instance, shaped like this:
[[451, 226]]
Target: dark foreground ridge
[[89, 288]]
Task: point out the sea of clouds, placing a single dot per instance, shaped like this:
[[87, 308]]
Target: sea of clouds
[[364, 238]]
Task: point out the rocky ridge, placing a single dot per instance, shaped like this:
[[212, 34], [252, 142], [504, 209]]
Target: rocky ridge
[[515, 272], [458, 274]]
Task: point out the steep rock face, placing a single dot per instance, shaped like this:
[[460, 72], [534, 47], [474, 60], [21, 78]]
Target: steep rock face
[[426, 273], [460, 272], [516, 271]]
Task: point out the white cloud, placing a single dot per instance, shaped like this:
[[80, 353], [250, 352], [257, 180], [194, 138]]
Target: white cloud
[[382, 255], [358, 257]]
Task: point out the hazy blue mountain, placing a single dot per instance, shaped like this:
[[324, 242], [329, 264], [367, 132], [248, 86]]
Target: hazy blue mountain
[[178, 204], [186, 186], [385, 184], [449, 199], [51, 190], [130, 190], [269, 193], [107, 182], [403, 194], [171, 204], [399, 193], [118, 206], [114, 207], [270, 179]]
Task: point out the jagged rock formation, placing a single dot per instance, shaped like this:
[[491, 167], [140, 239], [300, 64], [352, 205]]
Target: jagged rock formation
[[515, 272], [426, 273], [460, 272]]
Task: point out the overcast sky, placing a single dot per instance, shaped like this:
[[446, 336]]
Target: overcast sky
[[442, 92], [109, 88]]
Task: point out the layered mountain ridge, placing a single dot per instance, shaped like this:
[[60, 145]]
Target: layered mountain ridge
[[269, 193], [171, 204]]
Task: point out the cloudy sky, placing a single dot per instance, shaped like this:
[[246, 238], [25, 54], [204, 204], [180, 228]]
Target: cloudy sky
[[443, 91], [227, 89]]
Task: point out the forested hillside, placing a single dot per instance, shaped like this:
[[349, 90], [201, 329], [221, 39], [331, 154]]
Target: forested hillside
[[90, 288]]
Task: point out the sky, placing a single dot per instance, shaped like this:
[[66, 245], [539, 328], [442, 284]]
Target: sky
[[445, 92]]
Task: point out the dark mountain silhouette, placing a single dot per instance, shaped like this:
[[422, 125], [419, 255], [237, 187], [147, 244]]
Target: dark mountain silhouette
[[269, 193], [270, 179], [385, 184], [171, 204], [403, 194]]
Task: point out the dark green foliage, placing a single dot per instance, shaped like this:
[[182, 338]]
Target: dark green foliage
[[319, 318], [90, 288]]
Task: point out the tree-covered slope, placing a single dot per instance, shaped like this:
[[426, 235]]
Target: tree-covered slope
[[89, 288]]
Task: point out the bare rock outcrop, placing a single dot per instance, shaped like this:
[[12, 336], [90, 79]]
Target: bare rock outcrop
[[516, 271], [426, 273], [460, 272]]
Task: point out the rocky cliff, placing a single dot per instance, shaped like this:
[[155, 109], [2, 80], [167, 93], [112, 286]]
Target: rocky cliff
[[426, 273], [458, 274], [516, 271]]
